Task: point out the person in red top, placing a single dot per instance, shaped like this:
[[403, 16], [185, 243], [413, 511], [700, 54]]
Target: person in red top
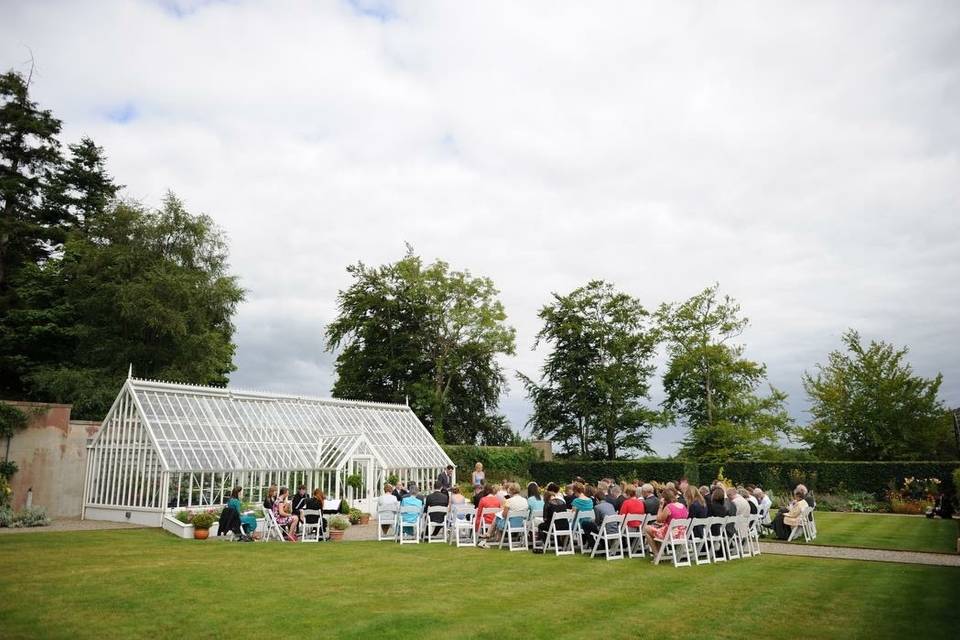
[[488, 501], [632, 505]]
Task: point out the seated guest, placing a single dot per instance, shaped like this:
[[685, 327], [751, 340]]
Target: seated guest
[[247, 520], [602, 509], [590, 491], [754, 505], [615, 497], [717, 507], [569, 495], [534, 501], [456, 497], [697, 508], [669, 510], [438, 498], [387, 502], [488, 501], [582, 505], [650, 502], [515, 502], [632, 505], [553, 504], [807, 496], [682, 491], [409, 519], [270, 498], [942, 506], [500, 490], [315, 503], [763, 500], [705, 493], [478, 493], [740, 508], [412, 488], [283, 515], [298, 500], [788, 518]]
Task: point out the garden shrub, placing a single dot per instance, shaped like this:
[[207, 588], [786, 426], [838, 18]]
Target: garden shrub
[[6, 516], [31, 517]]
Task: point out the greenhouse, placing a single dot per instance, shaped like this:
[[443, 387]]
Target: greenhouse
[[166, 446]]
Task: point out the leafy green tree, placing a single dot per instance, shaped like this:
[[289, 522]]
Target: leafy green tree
[[711, 388], [148, 288], [868, 404], [594, 382], [428, 334]]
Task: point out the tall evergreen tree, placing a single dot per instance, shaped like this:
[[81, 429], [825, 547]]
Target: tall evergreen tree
[[596, 378], [29, 152]]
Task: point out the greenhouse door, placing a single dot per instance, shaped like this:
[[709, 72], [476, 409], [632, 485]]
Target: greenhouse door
[[365, 498]]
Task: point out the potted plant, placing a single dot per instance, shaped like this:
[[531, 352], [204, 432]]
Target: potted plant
[[364, 518], [201, 525], [393, 479], [338, 524], [354, 516], [355, 482]]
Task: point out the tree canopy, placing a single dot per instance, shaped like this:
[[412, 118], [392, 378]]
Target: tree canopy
[[427, 334], [596, 377], [868, 404], [711, 388], [91, 283]]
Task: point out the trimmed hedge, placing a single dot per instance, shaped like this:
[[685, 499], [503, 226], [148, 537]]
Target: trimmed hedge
[[498, 462], [874, 477]]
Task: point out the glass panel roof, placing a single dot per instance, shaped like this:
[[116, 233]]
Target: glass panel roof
[[213, 429]]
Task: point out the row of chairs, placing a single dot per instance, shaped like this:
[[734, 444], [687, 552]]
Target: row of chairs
[[308, 532], [687, 541]]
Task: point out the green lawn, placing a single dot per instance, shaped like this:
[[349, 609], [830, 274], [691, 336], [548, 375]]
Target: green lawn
[[146, 583], [886, 532]]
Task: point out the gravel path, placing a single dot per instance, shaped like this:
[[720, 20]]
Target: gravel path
[[876, 555], [72, 524]]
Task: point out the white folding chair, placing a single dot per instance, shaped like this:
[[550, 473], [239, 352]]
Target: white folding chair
[[699, 542], [803, 526], [811, 523], [534, 519], [633, 535], [743, 536], [676, 542], [733, 549], [311, 531], [753, 534], [515, 531], [579, 517], [611, 535], [272, 528], [555, 534], [408, 525], [435, 531], [387, 517], [716, 533], [463, 533]]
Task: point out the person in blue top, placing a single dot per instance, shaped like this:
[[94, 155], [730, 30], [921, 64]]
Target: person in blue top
[[533, 497], [411, 500], [247, 521]]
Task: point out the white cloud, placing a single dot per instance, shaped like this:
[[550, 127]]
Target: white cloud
[[805, 156]]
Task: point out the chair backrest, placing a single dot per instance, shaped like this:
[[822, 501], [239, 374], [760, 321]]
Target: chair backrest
[[699, 524], [489, 511], [310, 512], [612, 524], [679, 523], [517, 516], [463, 512], [442, 510], [635, 519], [582, 516], [562, 516], [806, 512], [536, 513]]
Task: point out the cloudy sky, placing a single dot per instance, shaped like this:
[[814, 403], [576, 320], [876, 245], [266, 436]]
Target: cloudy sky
[[806, 155]]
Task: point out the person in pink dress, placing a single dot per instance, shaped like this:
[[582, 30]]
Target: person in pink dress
[[670, 510]]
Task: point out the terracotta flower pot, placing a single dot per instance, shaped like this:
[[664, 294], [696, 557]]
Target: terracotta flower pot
[[335, 534], [201, 534], [365, 518]]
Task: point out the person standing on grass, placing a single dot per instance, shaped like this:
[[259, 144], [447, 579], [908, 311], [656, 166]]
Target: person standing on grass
[[479, 478], [445, 479]]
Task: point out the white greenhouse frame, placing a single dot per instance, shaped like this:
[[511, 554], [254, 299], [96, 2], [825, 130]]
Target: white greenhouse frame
[[166, 446]]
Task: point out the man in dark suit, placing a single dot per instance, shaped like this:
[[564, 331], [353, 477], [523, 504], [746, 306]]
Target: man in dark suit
[[651, 503], [436, 499], [445, 479]]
